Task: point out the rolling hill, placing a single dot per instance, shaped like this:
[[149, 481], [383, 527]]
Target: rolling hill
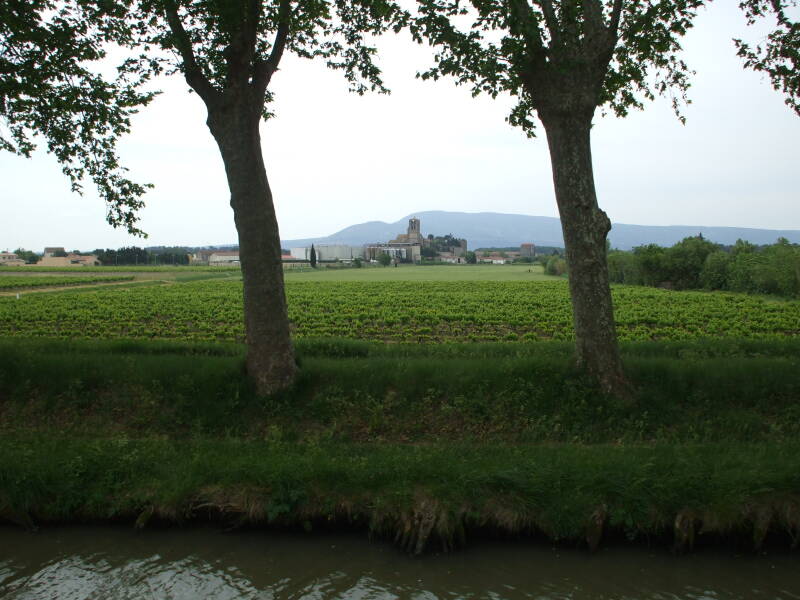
[[488, 229]]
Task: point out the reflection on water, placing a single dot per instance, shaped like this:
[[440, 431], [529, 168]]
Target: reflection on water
[[112, 563]]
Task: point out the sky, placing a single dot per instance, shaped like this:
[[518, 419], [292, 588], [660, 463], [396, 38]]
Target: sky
[[335, 159]]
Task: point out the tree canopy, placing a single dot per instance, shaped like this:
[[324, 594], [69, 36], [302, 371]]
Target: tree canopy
[[55, 81], [779, 54], [50, 86], [626, 51]]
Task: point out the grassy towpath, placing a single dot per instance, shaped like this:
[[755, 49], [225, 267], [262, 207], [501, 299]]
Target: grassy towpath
[[422, 443]]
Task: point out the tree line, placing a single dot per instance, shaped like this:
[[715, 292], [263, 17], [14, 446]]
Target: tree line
[[133, 256], [697, 263]]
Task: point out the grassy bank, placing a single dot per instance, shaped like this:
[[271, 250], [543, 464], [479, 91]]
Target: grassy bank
[[432, 494], [349, 391], [421, 442]]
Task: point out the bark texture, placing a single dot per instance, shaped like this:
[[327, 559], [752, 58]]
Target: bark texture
[[566, 90], [585, 228], [235, 103], [270, 355]]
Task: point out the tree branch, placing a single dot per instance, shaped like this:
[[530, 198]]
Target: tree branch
[[593, 16], [550, 19], [265, 68], [253, 19], [569, 23], [613, 23], [191, 70], [240, 52], [528, 26], [777, 6]]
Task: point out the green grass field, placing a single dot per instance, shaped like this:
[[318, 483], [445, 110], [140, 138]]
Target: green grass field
[[130, 403], [425, 273], [208, 306], [323, 273], [8, 283], [22, 269]]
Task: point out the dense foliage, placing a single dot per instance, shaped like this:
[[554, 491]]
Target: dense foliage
[[29, 256], [444, 243], [51, 90], [396, 311], [555, 265], [696, 263], [133, 255]]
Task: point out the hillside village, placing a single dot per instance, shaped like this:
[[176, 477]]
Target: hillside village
[[51, 257], [411, 247]]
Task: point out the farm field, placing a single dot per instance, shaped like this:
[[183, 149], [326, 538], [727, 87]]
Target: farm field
[[367, 273], [14, 283], [38, 269], [426, 273], [428, 311]]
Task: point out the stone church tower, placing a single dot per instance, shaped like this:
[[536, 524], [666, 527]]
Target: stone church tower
[[413, 235]]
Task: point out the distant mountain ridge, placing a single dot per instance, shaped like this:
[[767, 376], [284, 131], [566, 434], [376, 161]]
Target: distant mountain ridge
[[487, 229]]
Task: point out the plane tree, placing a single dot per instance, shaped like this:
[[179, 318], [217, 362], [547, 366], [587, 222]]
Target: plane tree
[[50, 92], [228, 53], [562, 60], [778, 55]]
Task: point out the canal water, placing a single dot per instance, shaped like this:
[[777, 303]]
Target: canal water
[[118, 563]]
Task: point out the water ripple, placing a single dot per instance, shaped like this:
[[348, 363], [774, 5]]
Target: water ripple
[[111, 564]]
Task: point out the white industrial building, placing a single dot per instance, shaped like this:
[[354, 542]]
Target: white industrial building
[[220, 258]]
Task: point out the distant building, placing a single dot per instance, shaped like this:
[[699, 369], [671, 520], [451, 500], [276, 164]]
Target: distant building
[[10, 259], [70, 260], [328, 252], [222, 258], [461, 249], [399, 253], [450, 257], [54, 251], [290, 262], [527, 250], [495, 258], [200, 257], [413, 235], [411, 242]]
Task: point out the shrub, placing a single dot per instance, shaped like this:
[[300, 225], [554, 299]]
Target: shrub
[[714, 275], [623, 268], [685, 261], [650, 264], [556, 266]]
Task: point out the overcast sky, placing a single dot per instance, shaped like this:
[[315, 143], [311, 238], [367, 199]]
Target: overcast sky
[[335, 159]]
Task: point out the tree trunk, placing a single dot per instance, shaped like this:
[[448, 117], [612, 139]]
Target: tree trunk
[[270, 354], [585, 228]]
